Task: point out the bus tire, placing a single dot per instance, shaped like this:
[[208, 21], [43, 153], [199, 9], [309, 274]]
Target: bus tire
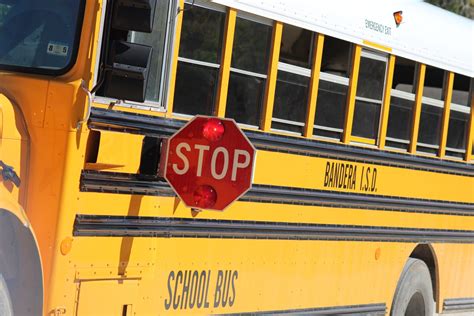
[[5, 301], [414, 294]]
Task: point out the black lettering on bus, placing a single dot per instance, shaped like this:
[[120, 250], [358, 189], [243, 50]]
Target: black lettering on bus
[[177, 298], [326, 174], [331, 175], [353, 182], [217, 293], [201, 289], [373, 187], [235, 276], [336, 175], [170, 292], [185, 293], [206, 297], [367, 174], [194, 289]]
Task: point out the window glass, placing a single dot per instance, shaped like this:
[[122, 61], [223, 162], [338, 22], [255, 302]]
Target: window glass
[[434, 82], [366, 119], [461, 90], [336, 56], [290, 101], [371, 78], [296, 44], [39, 36], [429, 129], [198, 61], [459, 117], [330, 109], [248, 73], [195, 89], [156, 39], [457, 130], [294, 71], [251, 46], [333, 86], [399, 122], [201, 34], [404, 74], [244, 98]]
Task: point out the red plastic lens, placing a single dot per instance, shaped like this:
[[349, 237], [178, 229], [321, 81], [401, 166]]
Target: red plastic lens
[[205, 197], [213, 130]]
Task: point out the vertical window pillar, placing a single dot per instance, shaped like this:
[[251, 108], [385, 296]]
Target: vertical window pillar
[[314, 85], [448, 93], [226, 59], [174, 60], [272, 77], [346, 136], [470, 132], [420, 82], [386, 101]]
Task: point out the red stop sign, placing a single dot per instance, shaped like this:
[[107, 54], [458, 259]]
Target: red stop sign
[[209, 163]]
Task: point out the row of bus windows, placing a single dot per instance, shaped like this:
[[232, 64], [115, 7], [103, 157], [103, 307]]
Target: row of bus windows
[[199, 64]]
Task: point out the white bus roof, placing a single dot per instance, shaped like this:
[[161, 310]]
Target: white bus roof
[[427, 34]]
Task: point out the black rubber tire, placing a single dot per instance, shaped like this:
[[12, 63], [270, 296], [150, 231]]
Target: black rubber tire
[[414, 294], [5, 301]]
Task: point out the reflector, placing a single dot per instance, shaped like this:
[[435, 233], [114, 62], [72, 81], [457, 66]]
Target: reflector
[[398, 17]]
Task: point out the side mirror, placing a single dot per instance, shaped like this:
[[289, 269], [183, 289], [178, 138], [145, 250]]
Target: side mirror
[[127, 71], [134, 15], [128, 64]]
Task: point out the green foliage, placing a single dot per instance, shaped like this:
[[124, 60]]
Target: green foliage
[[462, 7]]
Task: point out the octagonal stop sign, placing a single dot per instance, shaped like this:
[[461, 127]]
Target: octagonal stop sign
[[209, 163]]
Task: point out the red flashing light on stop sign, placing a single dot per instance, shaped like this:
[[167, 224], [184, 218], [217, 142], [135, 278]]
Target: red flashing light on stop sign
[[213, 129], [205, 196]]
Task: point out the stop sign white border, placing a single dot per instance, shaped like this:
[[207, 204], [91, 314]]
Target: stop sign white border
[[164, 159]]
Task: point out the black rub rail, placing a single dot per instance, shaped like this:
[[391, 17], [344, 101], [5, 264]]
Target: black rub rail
[[135, 226], [366, 309], [104, 119], [108, 182]]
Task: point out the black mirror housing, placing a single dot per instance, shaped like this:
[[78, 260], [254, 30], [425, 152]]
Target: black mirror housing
[[127, 74], [134, 15]]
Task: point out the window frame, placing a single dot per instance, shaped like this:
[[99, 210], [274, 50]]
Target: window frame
[[378, 56], [170, 44]]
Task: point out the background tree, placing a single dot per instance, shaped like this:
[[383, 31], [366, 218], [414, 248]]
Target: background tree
[[462, 7]]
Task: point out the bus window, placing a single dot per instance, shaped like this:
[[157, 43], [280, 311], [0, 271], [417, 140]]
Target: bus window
[[199, 60], [248, 70], [294, 72], [369, 94], [459, 117], [333, 85], [401, 104], [39, 36], [156, 39], [429, 130]]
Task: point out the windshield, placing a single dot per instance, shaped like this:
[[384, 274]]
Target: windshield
[[39, 36]]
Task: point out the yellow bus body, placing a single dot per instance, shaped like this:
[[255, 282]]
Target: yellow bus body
[[321, 253]]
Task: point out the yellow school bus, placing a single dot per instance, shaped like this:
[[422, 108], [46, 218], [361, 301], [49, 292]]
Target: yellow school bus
[[362, 198]]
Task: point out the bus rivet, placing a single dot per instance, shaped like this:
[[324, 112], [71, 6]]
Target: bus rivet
[[377, 253], [66, 245]]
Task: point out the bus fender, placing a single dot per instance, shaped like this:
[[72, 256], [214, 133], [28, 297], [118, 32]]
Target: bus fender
[[20, 262]]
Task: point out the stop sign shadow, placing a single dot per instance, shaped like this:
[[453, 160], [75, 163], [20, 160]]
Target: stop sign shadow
[[209, 163]]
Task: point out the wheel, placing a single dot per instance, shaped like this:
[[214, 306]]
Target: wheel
[[414, 295], [5, 302]]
